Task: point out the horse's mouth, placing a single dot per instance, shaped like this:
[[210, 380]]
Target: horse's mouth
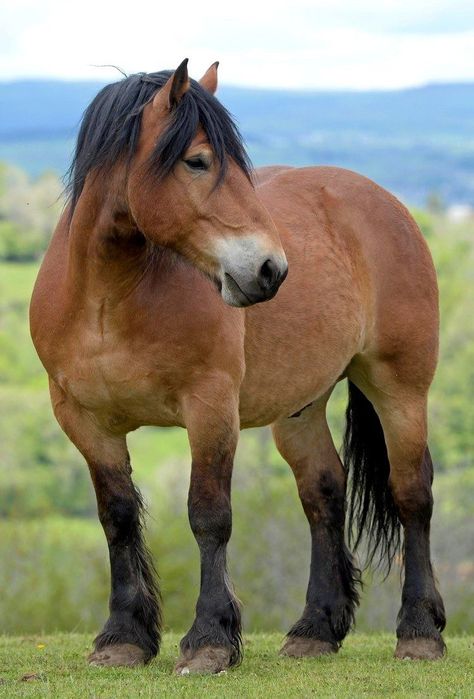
[[234, 295]]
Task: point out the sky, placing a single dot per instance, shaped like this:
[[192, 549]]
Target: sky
[[304, 44]]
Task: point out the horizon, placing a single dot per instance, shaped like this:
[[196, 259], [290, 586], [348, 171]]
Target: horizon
[[370, 132], [256, 88]]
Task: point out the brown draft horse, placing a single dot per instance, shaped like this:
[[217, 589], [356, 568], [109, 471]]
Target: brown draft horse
[[143, 314]]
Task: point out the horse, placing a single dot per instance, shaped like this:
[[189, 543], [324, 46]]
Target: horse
[[162, 300]]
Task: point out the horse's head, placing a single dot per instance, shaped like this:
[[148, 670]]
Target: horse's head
[[189, 188]]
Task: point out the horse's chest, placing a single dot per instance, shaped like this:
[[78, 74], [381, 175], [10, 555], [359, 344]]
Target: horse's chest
[[110, 377]]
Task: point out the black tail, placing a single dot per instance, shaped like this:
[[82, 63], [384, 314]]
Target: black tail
[[371, 507]]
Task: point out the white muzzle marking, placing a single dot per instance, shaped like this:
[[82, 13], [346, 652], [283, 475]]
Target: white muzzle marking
[[244, 264]]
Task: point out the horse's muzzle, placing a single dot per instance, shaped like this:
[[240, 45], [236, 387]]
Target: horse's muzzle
[[240, 290], [252, 268]]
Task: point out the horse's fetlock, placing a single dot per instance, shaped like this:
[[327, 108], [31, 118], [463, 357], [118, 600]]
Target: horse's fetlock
[[314, 624], [122, 628], [215, 632], [421, 617]]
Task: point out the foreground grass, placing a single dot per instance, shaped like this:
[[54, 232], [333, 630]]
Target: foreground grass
[[364, 668]]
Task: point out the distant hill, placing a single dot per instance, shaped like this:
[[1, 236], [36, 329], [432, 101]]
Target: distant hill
[[414, 142]]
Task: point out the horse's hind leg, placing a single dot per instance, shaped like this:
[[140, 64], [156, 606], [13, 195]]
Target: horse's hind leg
[[131, 635], [402, 409], [306, 444]]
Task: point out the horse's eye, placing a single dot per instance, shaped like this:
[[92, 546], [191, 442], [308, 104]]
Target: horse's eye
[[197, 163]]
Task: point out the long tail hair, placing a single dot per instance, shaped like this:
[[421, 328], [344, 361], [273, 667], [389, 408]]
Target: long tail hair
[[371, 508]]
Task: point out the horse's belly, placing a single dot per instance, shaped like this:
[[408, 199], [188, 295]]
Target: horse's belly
[[278, 389]]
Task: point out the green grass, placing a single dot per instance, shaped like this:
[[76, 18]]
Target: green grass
[[363, 668], [17, 280]]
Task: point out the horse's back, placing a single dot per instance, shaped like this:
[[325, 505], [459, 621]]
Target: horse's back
[[372, 230]]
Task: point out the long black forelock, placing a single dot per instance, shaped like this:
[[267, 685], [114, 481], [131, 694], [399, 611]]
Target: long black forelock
[[110, 130]]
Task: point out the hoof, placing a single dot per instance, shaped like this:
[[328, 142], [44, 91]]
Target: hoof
[[420, 649], [300, 647], [119, 655], [207, 660]]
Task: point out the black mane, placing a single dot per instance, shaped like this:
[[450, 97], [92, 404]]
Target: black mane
[[110, 129]]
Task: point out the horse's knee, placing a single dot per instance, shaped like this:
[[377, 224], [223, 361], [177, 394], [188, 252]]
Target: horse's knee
[[210, 517], [118, 502], [120, 515]]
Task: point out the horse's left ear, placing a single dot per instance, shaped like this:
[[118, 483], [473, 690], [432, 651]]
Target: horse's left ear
[[209, 79], [172, 91]]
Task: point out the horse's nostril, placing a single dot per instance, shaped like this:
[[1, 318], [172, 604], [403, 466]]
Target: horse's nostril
[[268, 274]]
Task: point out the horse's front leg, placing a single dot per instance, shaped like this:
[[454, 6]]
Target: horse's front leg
[[214, 641], [131, 635]]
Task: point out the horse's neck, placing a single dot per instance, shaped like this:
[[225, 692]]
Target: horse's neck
[[106, 255]]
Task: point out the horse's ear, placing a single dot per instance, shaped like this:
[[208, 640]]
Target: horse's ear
[[172, 91], [209, 79]]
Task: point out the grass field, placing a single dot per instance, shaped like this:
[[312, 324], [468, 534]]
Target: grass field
[[364, 668]]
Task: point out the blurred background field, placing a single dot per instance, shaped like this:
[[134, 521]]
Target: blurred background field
[[54, 572]]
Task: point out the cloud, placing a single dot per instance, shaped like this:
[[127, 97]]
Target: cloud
[[304, 43]]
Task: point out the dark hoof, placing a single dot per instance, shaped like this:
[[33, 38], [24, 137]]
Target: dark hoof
[[300, 647], [207, 660], [119, 655], [420, 649]]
